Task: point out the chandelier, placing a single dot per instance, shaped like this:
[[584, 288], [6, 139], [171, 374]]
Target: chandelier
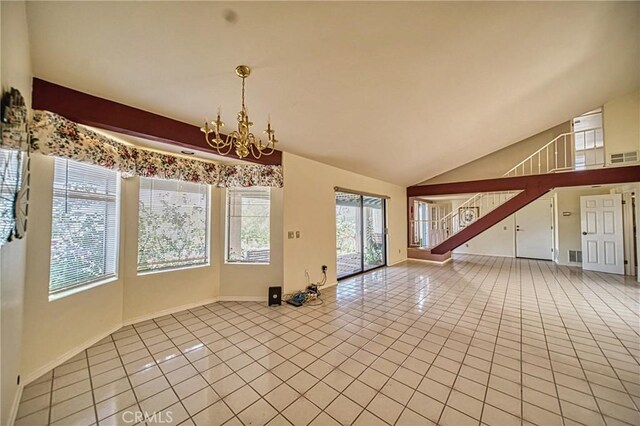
[[242, 140]]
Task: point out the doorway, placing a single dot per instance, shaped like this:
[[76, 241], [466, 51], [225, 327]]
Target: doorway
[[602, 235], [534, 230], [360, 233]]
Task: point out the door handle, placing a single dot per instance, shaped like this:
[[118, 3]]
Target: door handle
[[584, 233]]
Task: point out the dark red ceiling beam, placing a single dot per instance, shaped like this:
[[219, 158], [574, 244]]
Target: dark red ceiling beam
[[603, 176], [109, 115]]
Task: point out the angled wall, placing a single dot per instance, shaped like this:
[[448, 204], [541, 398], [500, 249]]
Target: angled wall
[[499, 162], [15, 72]]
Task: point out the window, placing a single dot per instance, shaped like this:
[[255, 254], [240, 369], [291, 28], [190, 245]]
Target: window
[[173, 225], [248, 225], [84, 228]]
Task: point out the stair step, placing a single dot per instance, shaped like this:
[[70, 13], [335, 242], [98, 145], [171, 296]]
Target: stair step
[[425, 254]]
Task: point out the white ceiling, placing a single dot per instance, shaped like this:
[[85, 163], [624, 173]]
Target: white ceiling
[[397, 91]]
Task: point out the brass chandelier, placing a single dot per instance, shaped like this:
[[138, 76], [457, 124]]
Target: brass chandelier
[[242, 140]]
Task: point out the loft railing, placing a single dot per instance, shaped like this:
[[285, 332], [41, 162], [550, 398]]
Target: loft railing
[[567, 152], [430, 233]]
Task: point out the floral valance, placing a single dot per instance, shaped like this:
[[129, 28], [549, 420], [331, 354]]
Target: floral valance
[[54, 135]]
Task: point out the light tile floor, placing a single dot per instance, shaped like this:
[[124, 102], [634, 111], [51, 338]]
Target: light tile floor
[[482, 339]]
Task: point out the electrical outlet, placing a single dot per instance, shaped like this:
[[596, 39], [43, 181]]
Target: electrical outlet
[[290, 234], [324, 268], [297, 234]]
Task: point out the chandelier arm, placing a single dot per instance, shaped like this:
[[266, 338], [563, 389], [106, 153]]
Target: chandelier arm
[[214, 143], [255, 149], [227, 144], [273, 148]]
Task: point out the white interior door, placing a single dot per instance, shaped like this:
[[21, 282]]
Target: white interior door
[[601, 221], [534, 230]]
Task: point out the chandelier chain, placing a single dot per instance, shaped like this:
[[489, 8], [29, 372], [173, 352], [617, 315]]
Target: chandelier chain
[[243, 107]]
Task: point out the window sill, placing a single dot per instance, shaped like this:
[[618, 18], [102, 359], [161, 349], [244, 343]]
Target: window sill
[[226, 262], [177, 268], [70, 292]]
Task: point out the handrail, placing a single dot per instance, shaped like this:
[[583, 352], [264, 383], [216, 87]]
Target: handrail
[[560, 154], [454, 221]]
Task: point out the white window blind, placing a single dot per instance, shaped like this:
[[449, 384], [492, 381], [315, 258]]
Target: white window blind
[[173, 225], [84, 228], [248, 229]]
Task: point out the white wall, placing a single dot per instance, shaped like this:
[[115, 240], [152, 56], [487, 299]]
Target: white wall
[[252, 282], [622, 124], [309, 207], [499, 240], [499, 162], [53, 328], [15, 72], [145, 295]]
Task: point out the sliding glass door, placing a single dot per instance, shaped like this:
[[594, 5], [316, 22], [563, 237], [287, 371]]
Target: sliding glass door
[[360, 233]]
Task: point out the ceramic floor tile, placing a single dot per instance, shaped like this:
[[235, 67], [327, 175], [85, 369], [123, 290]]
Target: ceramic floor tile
[[405, 345]]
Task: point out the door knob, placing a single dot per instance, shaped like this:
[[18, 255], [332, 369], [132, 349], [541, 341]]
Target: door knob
[[584, 233]]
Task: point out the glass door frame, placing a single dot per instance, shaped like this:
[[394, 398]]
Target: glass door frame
[[362, 234]]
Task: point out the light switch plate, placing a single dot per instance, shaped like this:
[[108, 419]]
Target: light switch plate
[[290, 234]]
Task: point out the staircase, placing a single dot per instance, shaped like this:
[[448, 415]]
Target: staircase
[[567, 152]]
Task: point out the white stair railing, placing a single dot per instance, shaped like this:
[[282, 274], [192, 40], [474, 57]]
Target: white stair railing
[[430, 233], [567, 152]]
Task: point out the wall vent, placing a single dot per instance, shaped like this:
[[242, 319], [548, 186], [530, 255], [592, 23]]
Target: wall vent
[[575, 256], [624, 157]]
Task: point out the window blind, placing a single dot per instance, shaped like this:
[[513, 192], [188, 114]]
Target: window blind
[[84, 228], [248, 227], [173, 224]]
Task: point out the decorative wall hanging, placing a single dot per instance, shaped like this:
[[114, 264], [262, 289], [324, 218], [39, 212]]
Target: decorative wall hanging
[[52, 134], [14, 167], [467, 215]]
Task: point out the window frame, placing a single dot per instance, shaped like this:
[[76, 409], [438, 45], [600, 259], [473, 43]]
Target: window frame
[[208, 223], [102, 279], [227, 229]]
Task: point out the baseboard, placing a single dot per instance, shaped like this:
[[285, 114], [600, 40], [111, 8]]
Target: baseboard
[[399, 261], [14, 407], [28, 378], [575, 265], [68, 355], [242, 299], [484, 254], [170, 311], [329, 285]]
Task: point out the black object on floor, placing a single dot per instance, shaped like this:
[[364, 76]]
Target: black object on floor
[[275, 296], [294, 303]]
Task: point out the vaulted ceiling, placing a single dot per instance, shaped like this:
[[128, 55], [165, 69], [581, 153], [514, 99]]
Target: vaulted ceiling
[[396, 91]]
